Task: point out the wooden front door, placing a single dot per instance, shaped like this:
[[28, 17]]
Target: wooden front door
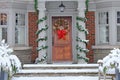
[[61, 38]]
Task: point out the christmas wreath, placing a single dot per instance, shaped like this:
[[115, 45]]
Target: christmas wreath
[[61, 28]]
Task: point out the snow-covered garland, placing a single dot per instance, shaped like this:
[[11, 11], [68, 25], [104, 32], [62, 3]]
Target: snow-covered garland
[[80, 28], [8, 63], [42, 47]]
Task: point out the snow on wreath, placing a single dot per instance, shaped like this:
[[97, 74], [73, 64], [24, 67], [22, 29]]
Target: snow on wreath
[[8, 63]]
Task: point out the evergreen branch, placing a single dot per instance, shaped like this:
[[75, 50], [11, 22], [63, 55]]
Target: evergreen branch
[[80, 40], [43, 29], [42, 19], [36, 5], [42, 48], [81, 49], [41, 60], [86, 3], [81, 19], [80, 57], [42, 39], [80, 28]]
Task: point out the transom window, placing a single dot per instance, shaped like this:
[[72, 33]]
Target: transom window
[[103, 22]]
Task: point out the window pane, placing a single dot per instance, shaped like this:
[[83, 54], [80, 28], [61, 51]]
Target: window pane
[[104, 34], [118, 17], [20, 28], [118, 33], [103, 27], [20, 35], [3, 34], [20, 19]]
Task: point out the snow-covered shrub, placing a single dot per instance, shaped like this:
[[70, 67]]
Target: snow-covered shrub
[[110, 62], [8, 62]]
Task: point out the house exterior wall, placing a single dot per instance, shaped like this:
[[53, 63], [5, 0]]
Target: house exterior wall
[[90, 25]]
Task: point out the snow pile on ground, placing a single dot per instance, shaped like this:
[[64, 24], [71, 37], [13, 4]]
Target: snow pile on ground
[[110, 62], [56, 78], [8, 62]]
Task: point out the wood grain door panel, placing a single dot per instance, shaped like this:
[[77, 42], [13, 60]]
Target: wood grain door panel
[[61, 45]]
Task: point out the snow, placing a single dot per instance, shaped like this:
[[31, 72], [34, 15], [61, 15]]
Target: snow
[[57, 78], [59, 71], [8, 62], [110, 62], [60, 65]]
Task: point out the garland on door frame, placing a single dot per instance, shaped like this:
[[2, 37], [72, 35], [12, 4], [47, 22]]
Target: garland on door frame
[[81, 28], [42, 39]]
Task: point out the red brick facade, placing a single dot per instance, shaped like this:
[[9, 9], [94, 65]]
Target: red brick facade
[[90, 25], [32, 19]]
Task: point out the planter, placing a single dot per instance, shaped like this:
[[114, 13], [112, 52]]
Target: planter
[[3, 75], [117, 74]]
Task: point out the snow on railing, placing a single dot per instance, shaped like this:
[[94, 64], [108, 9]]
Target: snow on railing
[[108, 64], [8, 63]]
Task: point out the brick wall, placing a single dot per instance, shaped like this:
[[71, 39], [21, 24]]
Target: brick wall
[[32, 18], [90, 25]]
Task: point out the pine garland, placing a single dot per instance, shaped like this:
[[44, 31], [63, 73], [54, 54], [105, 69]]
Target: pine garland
[[41, 30], [80, 40], [43, 47], [80, 57], [36, 5], [42, 39], [80, 28], [42, 19], [81, 49]]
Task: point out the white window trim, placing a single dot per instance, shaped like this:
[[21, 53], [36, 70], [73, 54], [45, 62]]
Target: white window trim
[[26, 28], [112, 26], [97, 36]]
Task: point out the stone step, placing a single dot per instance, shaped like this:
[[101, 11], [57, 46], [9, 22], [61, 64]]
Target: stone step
[[60, 66], [62, 72]]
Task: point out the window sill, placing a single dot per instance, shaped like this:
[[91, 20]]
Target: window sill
[[105, 46], [22, 48]]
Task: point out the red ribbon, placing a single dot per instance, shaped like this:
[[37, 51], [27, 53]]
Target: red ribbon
[[61, 34]]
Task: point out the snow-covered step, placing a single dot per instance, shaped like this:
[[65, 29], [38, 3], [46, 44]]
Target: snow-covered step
[[62, 72], [60, 66], [57, 78]]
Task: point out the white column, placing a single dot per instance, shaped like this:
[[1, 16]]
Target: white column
[[81, 35], [41, 8]]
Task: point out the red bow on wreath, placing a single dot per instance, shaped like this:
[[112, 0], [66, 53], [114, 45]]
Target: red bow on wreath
[[61, 34]]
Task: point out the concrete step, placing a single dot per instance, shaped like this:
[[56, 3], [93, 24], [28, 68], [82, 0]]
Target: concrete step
[[62, 72], [31, 70], [60, 66]]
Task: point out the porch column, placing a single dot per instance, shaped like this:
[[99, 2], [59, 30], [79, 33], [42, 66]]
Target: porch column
[[81, 34], [42, 34]]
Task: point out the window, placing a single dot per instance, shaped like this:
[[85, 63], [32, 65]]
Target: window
[[118, 26], [103, 22], [20, 28], [3, 26]]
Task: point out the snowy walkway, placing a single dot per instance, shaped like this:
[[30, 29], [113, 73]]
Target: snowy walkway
[[56, 78]]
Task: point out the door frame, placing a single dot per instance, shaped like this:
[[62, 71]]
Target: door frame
[[49, 34]]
